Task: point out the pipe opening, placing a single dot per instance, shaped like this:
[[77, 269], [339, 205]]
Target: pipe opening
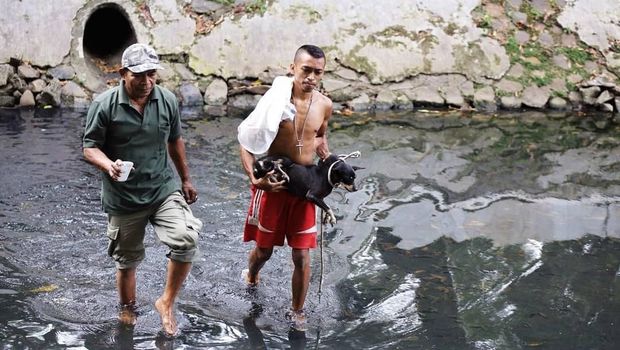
[[107, 32]]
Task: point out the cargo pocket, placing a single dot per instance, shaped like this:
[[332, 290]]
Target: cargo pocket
[[191, 222], [112, 235]]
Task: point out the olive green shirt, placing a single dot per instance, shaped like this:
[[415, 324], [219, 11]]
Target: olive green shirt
[[120, 132]]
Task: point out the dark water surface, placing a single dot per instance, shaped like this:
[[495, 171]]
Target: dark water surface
[[468, 232]]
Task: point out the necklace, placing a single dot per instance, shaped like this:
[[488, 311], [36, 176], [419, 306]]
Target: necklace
[[300, 139]]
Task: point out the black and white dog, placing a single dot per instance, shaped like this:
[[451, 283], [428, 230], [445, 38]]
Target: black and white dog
[[313, 182]]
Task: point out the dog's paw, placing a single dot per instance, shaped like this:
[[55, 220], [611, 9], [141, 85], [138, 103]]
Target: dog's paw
[[329, 218], [286, 177]]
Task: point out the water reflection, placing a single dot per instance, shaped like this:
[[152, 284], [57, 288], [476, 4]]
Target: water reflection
[[297, 339], [473, 232]]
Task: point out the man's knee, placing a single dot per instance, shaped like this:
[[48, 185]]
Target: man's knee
[[301, 258], [263, 254], [185, 247], [187, 240], [178, 228]]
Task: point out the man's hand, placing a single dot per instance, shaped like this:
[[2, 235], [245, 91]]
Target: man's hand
[[114, 169], [189, 192], [267, 184], [322, 149]]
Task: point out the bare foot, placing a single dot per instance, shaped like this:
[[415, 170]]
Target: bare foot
[[127, 316], [168, 321], [248, 281], [297, 319]]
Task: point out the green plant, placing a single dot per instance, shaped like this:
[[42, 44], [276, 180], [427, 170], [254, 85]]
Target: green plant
[[561, 94], [513, 49], [451, 29], [502, 93], [536, 50], [541, 80], [225, 2], [485, 21], [570, 86], [257, 6], [533, 15], [575, 54]]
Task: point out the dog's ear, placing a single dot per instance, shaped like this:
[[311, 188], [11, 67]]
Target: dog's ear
[[356, 168]]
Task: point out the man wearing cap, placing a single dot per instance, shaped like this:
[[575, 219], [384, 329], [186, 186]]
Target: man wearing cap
[[139, 121]]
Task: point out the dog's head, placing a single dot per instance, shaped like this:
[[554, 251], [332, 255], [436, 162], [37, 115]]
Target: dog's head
[[341, 173], [262, 167]]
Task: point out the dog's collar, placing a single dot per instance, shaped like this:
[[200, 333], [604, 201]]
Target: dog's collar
[[341, 158], [329, 174]]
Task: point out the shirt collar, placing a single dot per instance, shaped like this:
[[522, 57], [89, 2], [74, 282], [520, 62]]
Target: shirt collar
[[123, 98]]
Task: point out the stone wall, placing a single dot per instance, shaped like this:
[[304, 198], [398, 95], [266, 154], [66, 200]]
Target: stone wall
[[394, 54]]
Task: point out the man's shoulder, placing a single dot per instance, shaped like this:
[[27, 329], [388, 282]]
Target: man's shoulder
[[105, 100], [324, 101], [165, 93], [107, 95]]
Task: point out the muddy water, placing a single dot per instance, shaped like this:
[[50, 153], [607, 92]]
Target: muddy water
[[468, 232]]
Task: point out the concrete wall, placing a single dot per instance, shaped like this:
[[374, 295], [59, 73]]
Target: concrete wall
[[391, 54]]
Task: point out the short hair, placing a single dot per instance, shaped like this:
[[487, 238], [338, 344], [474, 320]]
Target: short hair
[[312, 50]]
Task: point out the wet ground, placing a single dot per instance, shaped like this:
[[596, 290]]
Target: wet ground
[[468, 232]]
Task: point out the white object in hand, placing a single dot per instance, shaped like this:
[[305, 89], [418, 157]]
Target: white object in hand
[[125, 169]]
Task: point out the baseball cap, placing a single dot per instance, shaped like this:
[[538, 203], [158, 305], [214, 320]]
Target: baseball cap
[[140, 58]]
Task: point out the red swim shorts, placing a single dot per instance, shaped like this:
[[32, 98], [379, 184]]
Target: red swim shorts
[[275, 215]]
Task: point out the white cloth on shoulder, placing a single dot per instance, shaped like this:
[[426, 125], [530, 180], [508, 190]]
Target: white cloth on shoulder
[[259, 129]]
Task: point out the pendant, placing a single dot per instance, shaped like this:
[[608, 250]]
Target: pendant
[[299, 146]]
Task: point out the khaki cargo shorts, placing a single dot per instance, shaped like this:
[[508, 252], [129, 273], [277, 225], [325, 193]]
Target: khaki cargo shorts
[[174, 225]]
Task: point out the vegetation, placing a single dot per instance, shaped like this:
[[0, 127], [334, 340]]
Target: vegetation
[[538, 65], [576, 55], [225, 2], [252, 6], [257, 6], [535, 59], [312, 15], [570, 86], [533, 15], [512, 49], [561, 94], [502, 93], [542, 80], [485, 21]]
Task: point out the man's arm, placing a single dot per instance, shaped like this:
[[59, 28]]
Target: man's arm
[[176, 149], [322, 148], [247, 161], [95, 156], [95, 132]]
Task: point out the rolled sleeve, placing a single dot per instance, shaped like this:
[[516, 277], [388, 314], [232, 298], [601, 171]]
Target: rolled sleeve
[[96, 127], [175, 121]]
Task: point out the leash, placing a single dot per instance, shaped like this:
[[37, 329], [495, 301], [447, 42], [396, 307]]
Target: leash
[[318, 330], [341, 158], [321, 258], [355, 154]]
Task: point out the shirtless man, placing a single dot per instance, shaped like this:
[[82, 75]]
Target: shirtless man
[[278, 214]]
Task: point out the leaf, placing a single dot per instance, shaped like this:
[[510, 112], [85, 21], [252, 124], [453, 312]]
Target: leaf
[[535, 343], [45, 289]]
